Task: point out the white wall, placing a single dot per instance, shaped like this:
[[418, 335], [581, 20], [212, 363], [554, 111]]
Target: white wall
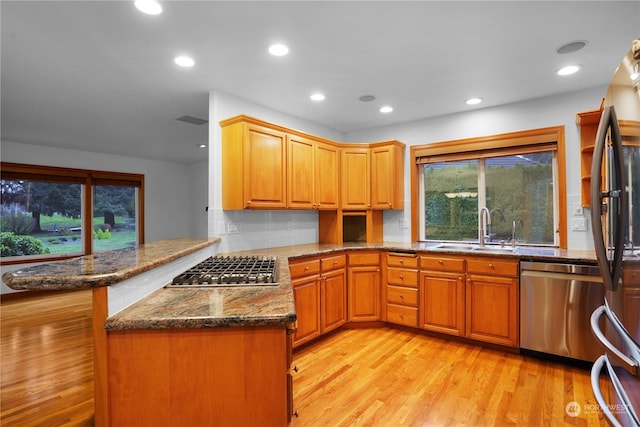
[[198, 197], [175, 193], [256, 229], [276, 228], [559, 110]]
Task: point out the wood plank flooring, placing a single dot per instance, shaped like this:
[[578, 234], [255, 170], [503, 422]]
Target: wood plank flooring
[[391, 377], [47, 360], [356, 377]]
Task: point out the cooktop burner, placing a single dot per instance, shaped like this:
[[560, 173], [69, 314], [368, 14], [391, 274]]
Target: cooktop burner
[[229, 271]]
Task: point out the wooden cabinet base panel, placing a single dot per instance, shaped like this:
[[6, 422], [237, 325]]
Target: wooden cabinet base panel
[[220, 377]]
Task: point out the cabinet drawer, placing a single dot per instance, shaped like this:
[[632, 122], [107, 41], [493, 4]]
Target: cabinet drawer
[[364, 258], [493, 266], [304, 268], [450, 264], [333, 262], [397, 276], [400, 295], [402, 260], [402, 315]]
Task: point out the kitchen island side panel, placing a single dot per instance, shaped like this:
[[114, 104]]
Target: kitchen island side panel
[[215, 377]]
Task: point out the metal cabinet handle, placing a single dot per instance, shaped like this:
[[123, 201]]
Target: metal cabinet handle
[[295, 368]]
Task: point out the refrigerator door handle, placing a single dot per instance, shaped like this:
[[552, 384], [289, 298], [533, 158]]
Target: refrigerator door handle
[[628, 363], [610, 269], [625, 408]]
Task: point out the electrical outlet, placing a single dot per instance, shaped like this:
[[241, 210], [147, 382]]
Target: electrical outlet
[[578, 210], [232, 228], [579, 224]]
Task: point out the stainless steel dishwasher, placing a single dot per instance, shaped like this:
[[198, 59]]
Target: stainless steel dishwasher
[[556, 302]]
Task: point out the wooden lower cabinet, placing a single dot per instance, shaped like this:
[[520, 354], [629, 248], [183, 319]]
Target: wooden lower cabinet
[[364, 287], [472, 297], [333, 296], [199, 377], [306, 292], [492, 309], [400, 296], [631, 313], [442, 302], [320, 292], [364, 294]]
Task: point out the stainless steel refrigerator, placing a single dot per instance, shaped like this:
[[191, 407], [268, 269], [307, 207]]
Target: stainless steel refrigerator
[[615, 209]]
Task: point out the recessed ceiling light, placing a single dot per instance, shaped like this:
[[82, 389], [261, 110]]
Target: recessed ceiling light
[[568, 70], [386, 109], [184, 61], [317, 97], [278, 49], [202, 145], [571, 47], [473, 101], [150, 7]]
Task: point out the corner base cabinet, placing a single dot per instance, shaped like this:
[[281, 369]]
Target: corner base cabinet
[[196, 377], [364, 286]]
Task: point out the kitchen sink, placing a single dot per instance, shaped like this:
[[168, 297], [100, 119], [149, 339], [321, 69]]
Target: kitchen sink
[[456, 246], [493, 249]]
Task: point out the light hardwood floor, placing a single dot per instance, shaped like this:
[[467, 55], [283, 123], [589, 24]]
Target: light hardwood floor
[[356, 377]]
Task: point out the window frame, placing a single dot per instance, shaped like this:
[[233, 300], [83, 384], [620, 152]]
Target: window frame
[[87, 178], [489, 146]]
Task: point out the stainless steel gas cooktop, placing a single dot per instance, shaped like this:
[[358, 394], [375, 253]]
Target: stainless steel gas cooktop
[[229, 271]]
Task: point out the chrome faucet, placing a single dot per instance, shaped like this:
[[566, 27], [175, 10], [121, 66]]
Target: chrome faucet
[[484, 225]]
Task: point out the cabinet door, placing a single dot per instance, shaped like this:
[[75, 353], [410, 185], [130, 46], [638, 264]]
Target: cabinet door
[[334, 299], [356, 178], [492, 309], [632, 312], [442, 302], [264, 168], [327, 176], [364, 294], [300, 173], [382, 178], [306, 292]]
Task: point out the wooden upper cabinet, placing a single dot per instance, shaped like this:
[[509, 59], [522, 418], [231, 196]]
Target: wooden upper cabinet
[[327, 175], [356, 177], [253, 166], [300, 174], [267, 166], [588, 122], [387, 175], [312, 174]]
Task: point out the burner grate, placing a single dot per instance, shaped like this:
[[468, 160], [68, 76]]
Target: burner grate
[[229, 271]]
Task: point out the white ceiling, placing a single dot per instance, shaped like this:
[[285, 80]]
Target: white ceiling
[[98, 75]]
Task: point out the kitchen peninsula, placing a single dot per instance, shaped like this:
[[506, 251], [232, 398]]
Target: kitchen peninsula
[[174, 355]]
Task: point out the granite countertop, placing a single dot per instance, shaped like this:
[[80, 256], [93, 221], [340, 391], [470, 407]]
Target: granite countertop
[[214, 307], [222, 306], [103, 268]]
